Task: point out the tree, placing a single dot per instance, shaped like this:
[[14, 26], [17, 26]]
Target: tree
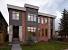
[[64, 24]]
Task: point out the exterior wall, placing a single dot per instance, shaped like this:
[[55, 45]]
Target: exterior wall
[[31, 23], [49, 29], [31, 11], [12, 21], [10, 33], [20, 33], [24, 35], [23, 24], [42, 26]]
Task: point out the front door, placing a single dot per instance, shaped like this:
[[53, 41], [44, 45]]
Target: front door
[[15, 31]]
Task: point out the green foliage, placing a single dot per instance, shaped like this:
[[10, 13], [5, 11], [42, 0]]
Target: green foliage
[[64, 24]]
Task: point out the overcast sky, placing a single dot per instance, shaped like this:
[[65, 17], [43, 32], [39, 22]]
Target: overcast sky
[[54, 7]]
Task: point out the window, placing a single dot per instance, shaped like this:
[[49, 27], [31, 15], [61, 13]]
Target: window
[[32, 29], [51, 23], [34, 17], [31, 17], [42, 21], [15, 15], [46, 32], [39, 31], [28, 17], [38, 19], [45, 20], [42, 32]]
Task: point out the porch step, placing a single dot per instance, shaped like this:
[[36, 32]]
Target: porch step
[[15, 41]]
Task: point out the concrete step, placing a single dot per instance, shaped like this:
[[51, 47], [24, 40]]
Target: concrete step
[[15, 41]]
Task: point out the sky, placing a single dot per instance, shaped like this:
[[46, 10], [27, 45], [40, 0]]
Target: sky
[[53, 7]]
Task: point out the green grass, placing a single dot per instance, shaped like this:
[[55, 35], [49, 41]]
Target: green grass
[[5, 48], [46, 46]]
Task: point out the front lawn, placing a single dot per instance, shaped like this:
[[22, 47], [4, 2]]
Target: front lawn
[[5, 48], [46, 46]]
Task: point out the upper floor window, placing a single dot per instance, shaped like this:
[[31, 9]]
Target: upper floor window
[[46, 32], [15, 15], [38, 19], [45, 20], [42, 32], [42, 20], [31, 17]]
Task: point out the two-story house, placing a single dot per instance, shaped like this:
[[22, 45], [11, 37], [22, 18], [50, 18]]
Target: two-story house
[[26, 22]]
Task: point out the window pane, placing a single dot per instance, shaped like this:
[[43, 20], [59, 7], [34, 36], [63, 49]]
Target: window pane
[[28, 17], [32, 29], [28, 27], [46, 32], [42, 21], [34, 17], [31, 17], [42, 32], [15, 15], [38, 19], [45, 20]]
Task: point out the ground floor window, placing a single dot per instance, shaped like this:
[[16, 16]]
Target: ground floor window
[[42, 32], [31, 31], [46, 32]]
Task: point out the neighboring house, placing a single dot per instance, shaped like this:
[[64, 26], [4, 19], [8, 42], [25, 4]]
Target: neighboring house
[[25, 22], [57, 35], [3, 29]]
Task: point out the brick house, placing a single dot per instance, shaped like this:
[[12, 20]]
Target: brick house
[[3, 29], [25, 22]]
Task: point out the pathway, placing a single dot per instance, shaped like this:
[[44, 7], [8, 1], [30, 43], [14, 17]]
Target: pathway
[[65, 49], [16, 45]]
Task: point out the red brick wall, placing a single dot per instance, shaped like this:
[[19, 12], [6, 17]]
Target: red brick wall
[[42, 26], [23, 26]]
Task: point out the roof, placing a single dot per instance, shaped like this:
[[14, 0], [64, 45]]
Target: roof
[[16, 7], [48, 15], [31, 6], [3, 18]]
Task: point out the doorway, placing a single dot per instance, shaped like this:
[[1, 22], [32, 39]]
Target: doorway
[[15, 34], [15, 31]]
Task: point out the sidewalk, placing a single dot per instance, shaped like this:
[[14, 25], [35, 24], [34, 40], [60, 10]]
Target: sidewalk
[[16, 47], [16, 44], [65, 49]]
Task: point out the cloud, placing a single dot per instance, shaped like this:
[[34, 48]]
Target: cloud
[[16, 2], [37, 2], [54, 7]]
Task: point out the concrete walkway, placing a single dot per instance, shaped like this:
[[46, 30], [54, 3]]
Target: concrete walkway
[[16, 47], [65, 49]]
